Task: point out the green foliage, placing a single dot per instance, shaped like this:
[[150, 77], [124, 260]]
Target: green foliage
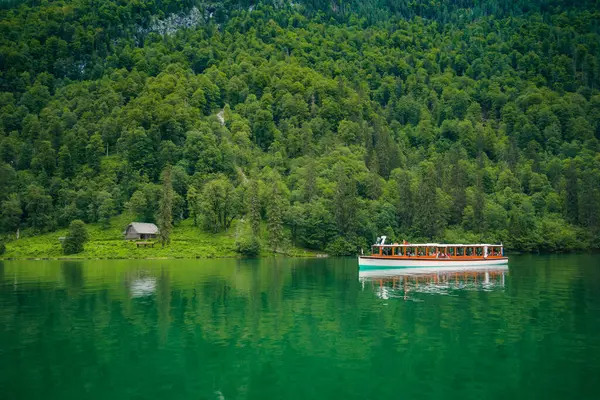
[[248, 246], [341, 247], [2, 247], [10, 214], [422, 120], [219, 204], [76, 238]]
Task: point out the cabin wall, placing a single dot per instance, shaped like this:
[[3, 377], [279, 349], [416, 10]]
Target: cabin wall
[[131, 234]]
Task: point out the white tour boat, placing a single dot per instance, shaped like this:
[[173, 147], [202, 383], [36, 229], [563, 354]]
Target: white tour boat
[[421, 255]]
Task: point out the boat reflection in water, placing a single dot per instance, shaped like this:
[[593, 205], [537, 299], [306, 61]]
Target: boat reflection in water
[[399, 283]]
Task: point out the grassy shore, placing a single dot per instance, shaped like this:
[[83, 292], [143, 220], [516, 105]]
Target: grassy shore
[[187, 241]]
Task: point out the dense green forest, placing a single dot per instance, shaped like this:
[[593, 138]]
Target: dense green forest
[[318, 124]]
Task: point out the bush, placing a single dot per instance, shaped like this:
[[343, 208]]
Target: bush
[[76, 238], [341, 247], [248, 246], [2, 248]]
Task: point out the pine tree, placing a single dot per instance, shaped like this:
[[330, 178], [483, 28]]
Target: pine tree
[[310, 181], [427, 221], [106, 210], [254, 207], [94, 151], [571, 189], [403, 199], [65, 162], [479, 204], [10, 214], [194, 203], [165, 211], [345, 201], [589, 197], [275, 212]]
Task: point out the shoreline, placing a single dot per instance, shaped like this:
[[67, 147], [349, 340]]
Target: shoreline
[[298, 255], [323, 255]]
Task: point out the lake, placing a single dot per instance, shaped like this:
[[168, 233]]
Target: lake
[[298, 329]]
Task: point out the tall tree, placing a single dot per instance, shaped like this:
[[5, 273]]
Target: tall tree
[[589, 209], [76, 238], [194, 203], [254, 207], [10, 214], [39, 209], [403, 198], [479, 203], [106, 209], [310, 181], [165, 211], [94, 151], [344, 201], [571, 193], [428, 221], [276, 208], [219, 204]]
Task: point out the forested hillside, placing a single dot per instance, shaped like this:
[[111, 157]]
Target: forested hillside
[[319, 124]]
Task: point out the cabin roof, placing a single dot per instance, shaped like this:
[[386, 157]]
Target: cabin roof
[[437, 245], [143, 228]]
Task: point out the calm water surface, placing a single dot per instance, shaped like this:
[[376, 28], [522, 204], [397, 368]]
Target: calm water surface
[[298, 329]]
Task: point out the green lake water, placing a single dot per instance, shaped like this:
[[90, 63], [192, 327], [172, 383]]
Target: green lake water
[[298, 329]]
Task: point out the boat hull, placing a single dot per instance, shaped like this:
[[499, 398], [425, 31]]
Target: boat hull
[[382, 272], [378, 263]]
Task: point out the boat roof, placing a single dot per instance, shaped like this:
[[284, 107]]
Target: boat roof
[[439, 245]]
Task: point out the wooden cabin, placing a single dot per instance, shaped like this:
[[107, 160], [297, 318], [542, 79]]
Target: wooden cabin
[[140, 231]]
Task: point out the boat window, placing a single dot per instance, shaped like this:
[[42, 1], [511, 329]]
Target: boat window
[[387, 251], [397, 251], [479, 251], [432, 251], [460, 251], [468, 251], [451, 251], [375, 250]]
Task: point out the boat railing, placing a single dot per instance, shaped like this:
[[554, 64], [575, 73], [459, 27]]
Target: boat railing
[[430, 251]]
